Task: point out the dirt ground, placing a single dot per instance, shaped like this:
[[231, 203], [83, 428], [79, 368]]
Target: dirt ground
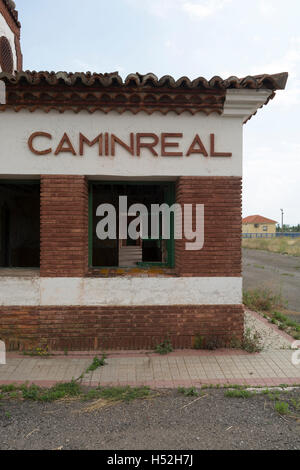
[[163, 422], [280, 273]]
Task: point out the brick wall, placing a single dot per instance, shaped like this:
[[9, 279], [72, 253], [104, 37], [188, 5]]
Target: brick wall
[[64, 226], [221, 254], [88, 328]]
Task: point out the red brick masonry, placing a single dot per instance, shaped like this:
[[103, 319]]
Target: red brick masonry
[[64, 253], [94, 328], [64, 226], [221, 253]]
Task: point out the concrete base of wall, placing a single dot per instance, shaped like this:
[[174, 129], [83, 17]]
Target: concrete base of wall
[[119, 327]]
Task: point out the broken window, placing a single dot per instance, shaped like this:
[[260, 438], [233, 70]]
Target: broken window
[[146, 249]]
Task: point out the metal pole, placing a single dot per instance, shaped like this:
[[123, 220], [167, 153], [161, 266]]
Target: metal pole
[[282, 219]]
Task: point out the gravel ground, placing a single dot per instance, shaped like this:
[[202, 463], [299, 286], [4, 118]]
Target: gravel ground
[[212, 422], [270, 338], [280, 273]]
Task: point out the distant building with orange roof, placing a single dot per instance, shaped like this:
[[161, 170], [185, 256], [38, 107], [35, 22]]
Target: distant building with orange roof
[[259, 224]]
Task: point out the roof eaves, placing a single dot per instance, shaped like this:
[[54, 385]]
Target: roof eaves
[[271, 82]]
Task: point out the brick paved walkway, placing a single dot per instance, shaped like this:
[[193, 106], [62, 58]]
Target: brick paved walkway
[[180, 368], [184, 368]]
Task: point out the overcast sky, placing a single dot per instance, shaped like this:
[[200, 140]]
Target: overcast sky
[[193, 38]]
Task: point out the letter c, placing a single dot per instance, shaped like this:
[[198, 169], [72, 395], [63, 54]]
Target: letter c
[[31, 139]]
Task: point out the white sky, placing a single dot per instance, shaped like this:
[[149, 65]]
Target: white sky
[[193, 38]]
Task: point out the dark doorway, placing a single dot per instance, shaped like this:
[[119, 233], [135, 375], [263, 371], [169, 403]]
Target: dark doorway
[[20, 225]]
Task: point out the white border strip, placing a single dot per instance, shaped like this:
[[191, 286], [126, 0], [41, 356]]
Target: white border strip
[[15, 291]]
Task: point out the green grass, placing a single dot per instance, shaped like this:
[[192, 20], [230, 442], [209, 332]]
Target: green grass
[[59, 391], [35, 393], [71, 390], [188, 392], [296, 403], [289, 246], [282, 407], [117, 393], [238, 394]]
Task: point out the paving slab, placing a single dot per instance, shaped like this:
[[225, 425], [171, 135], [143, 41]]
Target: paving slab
[[273, 366]]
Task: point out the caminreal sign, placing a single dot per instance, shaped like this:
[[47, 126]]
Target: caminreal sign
[[126, 145], [105, 143]]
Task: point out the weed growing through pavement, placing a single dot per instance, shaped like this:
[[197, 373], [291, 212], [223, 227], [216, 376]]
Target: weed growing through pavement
[[42, 352], [165, 347], [96, 363], [198, 342]]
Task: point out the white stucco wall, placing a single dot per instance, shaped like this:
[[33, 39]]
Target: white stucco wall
[[17, 159], [16, 291], [7, 32]]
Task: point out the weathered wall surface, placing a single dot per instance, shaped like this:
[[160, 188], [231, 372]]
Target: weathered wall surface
[[118, 327], [138, 291]]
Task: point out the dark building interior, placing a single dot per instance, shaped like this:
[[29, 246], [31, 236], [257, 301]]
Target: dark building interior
[[107, 252], [20, 225]]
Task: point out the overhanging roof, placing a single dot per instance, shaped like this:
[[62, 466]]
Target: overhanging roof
[[106, 92], [270, 82]]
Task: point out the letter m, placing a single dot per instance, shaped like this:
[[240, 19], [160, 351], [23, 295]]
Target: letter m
[[164, 213]]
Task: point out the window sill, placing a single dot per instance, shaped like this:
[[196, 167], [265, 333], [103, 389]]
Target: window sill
[[152, 271]]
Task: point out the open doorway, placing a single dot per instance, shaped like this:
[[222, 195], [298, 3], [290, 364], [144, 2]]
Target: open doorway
[[19, 224], [144, 251]]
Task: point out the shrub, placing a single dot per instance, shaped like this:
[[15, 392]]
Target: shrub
[[252, 341], [164, 348], [261, 300]]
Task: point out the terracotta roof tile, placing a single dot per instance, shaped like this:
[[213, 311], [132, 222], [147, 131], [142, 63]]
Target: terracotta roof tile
[[271, 82], [109, 92], [258, 219]]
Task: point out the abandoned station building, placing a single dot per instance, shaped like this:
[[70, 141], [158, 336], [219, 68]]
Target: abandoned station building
[[73, 141]]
